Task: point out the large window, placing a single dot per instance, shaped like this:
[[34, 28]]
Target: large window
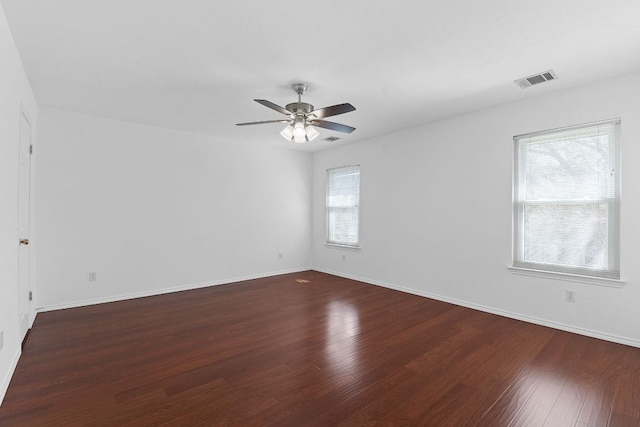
[[343, 211], [566, 199]]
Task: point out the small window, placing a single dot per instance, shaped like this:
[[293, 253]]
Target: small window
[[343, 210], [566, 199]]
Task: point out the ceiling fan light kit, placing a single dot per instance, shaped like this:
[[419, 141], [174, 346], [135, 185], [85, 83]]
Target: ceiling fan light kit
[[303, 118], [299, 133]]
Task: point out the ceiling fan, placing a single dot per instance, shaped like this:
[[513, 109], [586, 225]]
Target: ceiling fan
[[302, 117]]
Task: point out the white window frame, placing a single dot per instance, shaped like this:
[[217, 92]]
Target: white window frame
[[612, 271], [354, 207]]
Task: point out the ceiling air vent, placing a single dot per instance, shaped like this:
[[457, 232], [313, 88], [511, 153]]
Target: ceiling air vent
[[536, 79], [331, 139]]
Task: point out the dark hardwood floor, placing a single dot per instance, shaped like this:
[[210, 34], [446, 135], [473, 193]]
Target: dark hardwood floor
[[328, 352]]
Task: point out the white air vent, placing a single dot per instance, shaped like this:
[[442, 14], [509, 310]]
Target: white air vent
[[536, 79], [331, 139]]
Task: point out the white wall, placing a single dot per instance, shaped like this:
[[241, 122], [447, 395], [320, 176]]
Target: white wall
[[15, 96], [436, 212], [152, 209]]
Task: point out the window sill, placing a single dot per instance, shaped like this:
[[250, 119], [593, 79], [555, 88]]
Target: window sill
[[339, 246], [600, 281]]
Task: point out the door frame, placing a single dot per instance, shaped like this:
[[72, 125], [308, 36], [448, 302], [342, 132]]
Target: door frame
[[25, 305]]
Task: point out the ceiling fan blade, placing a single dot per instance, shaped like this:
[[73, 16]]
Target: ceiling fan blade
[[273, 106], [263, 122], [334, 110], [332, 126]]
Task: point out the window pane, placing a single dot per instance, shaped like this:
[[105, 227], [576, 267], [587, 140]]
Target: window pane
[[344, 187], [572, 235], [343, 225], [569, 169]]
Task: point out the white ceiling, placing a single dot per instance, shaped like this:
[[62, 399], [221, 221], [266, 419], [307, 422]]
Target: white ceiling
[[197, 65]]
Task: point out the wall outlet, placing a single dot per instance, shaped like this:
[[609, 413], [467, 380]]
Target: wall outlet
[[280, 255], [93, 276], [1, 339], [344, 258], [570, 295]]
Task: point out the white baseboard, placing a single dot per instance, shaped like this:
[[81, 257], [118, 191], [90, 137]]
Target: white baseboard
[[543, 322], [487, 309], [4, 386], [164, 291]]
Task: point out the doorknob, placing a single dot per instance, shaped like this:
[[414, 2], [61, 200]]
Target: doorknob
[[24, 241]]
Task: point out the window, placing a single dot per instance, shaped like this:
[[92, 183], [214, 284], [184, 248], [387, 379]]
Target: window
[[566, 197], [343, 211]]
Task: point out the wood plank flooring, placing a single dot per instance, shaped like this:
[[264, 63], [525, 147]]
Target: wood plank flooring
[[330, 352]]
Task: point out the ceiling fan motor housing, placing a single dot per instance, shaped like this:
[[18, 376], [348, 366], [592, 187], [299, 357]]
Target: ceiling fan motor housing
[[299, 108]]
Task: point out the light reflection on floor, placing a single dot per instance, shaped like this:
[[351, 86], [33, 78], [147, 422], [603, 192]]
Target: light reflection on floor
[[342, 343], [543, 392]]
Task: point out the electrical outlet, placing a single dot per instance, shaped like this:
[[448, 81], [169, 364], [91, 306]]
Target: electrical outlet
[[570, 295], [344, 258], [93, 276], [280, 255], [1, 339]]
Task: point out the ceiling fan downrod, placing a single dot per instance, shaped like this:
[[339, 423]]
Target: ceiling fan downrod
[[300, 89]]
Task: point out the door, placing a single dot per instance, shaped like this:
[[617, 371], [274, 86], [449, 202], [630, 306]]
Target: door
[[24, 212]]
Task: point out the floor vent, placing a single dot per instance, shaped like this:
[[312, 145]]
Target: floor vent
[[535, 79], [303, 281]]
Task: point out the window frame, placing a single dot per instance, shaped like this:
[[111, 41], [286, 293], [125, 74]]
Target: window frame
[[612, 272], [329, 209]]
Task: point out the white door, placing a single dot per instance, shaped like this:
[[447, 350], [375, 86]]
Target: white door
[[24, 205]]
